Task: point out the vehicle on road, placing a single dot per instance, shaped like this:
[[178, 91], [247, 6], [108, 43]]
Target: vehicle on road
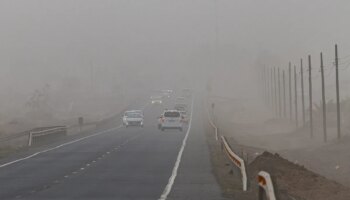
[[137, 111], [182, 108], [160, 119], [157, 100], [132, 118], [171, 119]]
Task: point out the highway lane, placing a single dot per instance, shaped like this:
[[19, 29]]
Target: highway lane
[[195, 179], [130, 163]]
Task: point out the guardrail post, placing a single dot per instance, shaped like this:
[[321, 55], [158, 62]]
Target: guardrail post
[[265, 186], [81, 122], [236, 160], [30, 139], [222, 146], [261, 193]]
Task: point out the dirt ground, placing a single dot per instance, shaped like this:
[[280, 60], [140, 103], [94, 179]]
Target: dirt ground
[[297, 181], [254, 130], [229, 177]]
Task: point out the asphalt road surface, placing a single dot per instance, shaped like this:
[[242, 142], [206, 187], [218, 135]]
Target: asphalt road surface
[[118, 163]]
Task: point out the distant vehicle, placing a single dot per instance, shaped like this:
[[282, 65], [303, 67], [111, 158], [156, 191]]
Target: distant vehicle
[[132, 118], [156, 100], [182, 108], [171, 119]]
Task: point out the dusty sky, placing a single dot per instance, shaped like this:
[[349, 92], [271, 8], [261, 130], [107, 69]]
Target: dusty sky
[[146, 42]]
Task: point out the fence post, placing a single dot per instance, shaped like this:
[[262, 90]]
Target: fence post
[[30, 139]]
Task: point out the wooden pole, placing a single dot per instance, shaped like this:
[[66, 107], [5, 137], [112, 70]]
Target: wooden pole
[[337, 91], [310, 99], [296, 96], [302, 91], [323, 102]]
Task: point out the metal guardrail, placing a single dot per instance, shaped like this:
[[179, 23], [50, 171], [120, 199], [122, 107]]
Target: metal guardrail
[[265, 186], [55, 130], [37, 132], [264, 178], [236, 160], [26, 137]]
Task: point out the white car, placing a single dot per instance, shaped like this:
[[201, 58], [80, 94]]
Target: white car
[[132, 118], [137, 111], [156, 100], [171, 119], [182, 109]]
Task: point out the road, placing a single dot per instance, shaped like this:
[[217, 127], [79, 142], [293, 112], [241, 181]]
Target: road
[[118, 163]]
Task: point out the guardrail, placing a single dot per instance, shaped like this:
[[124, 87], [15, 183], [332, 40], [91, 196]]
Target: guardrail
[[48, 131], [239, 162], [265, 186], [26, 138], [264, 178]]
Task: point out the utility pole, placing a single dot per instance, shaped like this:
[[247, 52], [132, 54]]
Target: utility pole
[[279, 94], [271, 89], [284, 96], [337, 90], [266, 75], [262, 74], [310, 99], [323, 102], [302, 91], [290, 91], [267, 86], [296, 96], [275, 83]]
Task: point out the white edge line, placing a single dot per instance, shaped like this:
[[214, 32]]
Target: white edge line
[[59, 146], [62, 145], [171, 181]]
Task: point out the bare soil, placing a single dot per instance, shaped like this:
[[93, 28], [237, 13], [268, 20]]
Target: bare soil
[[296, 180], [315, 170]]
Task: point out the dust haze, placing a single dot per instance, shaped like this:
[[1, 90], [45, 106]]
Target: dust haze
[[67, 58]]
